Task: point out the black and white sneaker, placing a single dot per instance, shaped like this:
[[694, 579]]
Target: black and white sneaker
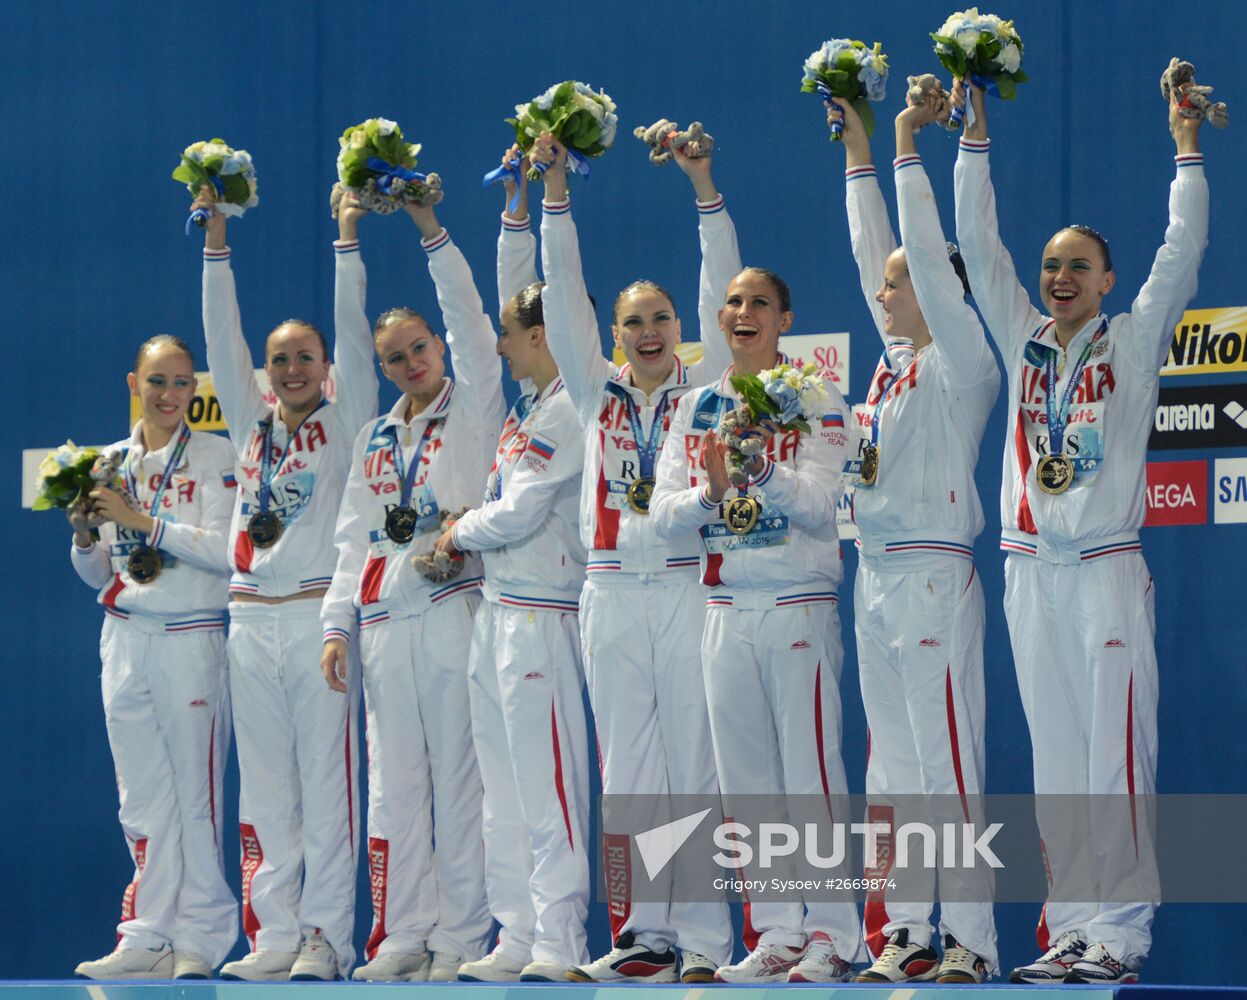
[[697, 968], [1099, 967], [902, 962], [1053, 964], [960, 964], [627, 962]]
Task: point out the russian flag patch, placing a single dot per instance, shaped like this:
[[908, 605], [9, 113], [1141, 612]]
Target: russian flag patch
[[835, 419], [541, 447], [227, 477]]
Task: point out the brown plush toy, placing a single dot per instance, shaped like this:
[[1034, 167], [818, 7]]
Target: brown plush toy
[[920, 87], [663, 136], [438, 566], [1194, 103], [427, 193]]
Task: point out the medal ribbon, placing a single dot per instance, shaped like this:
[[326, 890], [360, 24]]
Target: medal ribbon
[[408, 478], [883, 395], [131, 480], [648, 452], [267, 470], [1057, 418]]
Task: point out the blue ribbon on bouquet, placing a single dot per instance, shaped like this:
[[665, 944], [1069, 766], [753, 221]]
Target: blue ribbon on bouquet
[[199, 217], [824, 91], [390, 174], [984, 83], [509, 169], [579, 164]]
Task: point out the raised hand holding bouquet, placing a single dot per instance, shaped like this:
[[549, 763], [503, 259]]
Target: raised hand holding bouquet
[[579, 117], [847, 69], [665, 139], [377, 166], [228, 173], [983, 49], [784, 397]]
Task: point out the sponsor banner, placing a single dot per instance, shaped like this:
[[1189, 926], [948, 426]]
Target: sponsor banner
[[844, 511], [1230, 486], [828, 351], [1207, 341], [1200, 416], [204, 413], [1177, 493]]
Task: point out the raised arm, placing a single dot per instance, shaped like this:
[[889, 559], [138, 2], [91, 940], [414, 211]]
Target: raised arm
[[517, 247], [355, 367], [870, 231], [999, 295], [571, 326], [1174, 275], [469, 331], [229, 359], [953, 324], [720, 263]]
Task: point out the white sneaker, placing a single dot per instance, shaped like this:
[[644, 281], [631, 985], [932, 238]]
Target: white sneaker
[[190, 965], [394, 967], [902, 962], [445, 967], [543, 972], [960, 964], [496, 967], [820, 964], [1053, 964], [696, 967], [767, 963], [130, 963], [1098, 966], [260, 966], [627, 962], [316, 960]]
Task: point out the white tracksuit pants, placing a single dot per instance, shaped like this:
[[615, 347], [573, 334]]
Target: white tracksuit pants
[[1084, 645], [920, 660], [166, 706], [298, 764], [642, 656], [528, 725], [423, 786], [772, 687]]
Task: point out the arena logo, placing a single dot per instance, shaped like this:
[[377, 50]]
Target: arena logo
[[1200, 416], [1209, 340], [1177, 493], [1230, 478]]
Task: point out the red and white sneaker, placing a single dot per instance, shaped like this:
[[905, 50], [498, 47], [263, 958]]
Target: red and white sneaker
[[1099, 967], [902, 962], [767, 963], [1053, 964], [627, 962], [820, 964]]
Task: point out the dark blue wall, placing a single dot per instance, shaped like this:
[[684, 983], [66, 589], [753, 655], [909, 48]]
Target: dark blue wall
[[99, 99]]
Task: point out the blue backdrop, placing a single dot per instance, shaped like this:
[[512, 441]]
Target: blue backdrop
[[99, 100]]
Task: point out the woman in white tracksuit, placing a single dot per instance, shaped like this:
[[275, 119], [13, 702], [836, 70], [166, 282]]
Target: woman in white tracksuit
[[297, 756], [160, 571], [412, 468], [643, 610], [1078, 596], [771, 649], [918, 603]]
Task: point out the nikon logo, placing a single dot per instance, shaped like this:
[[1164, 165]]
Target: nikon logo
[[1209, 340]]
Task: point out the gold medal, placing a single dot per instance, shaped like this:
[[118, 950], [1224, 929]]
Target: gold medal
[[740, 514], [144, 564], [870, 465], [264, 529], [639, 493], [1054, 473]]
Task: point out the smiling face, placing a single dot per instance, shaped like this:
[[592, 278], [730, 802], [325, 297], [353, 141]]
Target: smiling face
[[294, 359], [412, 357], [165, 385], [752, 319], [902, 316], [647, 331], [1073, 279]]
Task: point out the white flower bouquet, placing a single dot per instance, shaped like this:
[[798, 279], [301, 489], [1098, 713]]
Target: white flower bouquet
[[229, 173], [581, 118], [378, 167], [844, 68], [785, 397], [983, 49]]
